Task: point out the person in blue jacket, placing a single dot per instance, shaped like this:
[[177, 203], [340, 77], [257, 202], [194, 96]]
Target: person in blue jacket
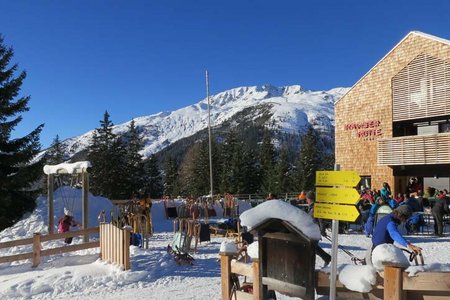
[[386, 231]]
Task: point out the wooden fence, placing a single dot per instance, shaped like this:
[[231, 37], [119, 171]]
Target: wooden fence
[[394, 284], [39, 252], [115, 245]]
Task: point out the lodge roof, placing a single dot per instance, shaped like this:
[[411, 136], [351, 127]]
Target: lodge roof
[[422, 34]]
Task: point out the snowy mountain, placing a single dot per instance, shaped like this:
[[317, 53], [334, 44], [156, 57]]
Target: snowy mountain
[[291, 109]]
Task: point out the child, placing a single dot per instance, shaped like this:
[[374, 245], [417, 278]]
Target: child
[[64, 224]]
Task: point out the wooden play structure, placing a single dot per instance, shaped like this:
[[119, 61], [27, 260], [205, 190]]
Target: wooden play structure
[[136, 213], [78, 170]]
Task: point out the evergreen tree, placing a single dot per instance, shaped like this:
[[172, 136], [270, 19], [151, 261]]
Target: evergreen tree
[[105, 154], [153, 179], [57, 153], [187, 176], [310, 160], [134, 165], [283, 173], [267, 161], [231, 155], [17, 170], [170, 176], [249, 172]]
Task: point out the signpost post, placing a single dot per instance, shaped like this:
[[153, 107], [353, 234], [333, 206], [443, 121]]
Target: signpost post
[[336, 199]]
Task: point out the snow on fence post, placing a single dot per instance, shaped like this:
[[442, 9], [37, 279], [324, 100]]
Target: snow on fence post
[[36, 249], [225, 271], [393, 283]]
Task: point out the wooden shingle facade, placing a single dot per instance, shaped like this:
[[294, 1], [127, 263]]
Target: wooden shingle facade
[[394, 123]]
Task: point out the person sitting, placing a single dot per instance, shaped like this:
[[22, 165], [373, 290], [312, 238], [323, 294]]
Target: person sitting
[[386, 231], [399, 198]]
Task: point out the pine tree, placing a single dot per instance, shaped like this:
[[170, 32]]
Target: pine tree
[[18, 172], [57, 153], [230, 164], [310, 160], [134, 165], [283, 173], [153, 178], [106, 156], [267, 160], [170, 176]]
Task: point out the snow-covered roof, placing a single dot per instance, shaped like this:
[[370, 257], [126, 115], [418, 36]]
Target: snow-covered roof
[[424, 35], [277, 209], [70, 168]]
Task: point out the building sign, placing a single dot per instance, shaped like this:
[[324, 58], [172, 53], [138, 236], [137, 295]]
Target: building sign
[[366, 130]]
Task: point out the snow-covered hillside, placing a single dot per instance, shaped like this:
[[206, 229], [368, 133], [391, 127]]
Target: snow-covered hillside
[[292, 108]]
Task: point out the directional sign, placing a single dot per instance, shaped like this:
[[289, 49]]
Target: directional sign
[[337, 178], [337, 195], [336, 212]]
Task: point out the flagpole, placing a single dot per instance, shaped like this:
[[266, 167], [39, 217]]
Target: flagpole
[[209, 137]]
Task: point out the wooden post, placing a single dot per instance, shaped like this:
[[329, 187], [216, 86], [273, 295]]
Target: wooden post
[[225, 272], [102, 245], [126, 249], [50, 187], [393, 283], [36, 249], [257, 280], [85, 211]]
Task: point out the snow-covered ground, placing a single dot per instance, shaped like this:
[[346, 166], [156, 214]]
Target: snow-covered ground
[[154, 274]]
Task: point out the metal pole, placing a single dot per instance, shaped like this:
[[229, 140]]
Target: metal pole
[[209, 137], [334, 251]]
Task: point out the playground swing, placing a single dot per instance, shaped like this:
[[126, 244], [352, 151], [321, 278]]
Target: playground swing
[[69, 176]]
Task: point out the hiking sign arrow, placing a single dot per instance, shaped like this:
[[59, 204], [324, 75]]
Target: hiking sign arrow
[[336, 212], [337, 195], [337, 178]]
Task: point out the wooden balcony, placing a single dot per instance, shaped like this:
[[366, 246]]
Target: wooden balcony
[[415, 150]]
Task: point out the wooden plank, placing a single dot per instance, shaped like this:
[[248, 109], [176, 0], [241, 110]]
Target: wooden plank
[[281, 236], [56, 236], [70, 248], [36, 250], [126, 247], [16, 243], [289, 289], [225, 274], [241, 268], [393, 287], [257, 280], [16, 257], [427, 281]]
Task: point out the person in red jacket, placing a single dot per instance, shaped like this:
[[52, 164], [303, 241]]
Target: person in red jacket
[[65, 223]]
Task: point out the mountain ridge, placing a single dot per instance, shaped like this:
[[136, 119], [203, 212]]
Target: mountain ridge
[[293, 107]]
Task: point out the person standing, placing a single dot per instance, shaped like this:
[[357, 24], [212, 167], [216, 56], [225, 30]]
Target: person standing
[[310, 198], [65, 223], [440, 208]]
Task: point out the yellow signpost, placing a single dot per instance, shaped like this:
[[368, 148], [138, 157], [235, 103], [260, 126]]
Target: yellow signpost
[[336, 212], [337, 195], [331, 200], [337, 178]]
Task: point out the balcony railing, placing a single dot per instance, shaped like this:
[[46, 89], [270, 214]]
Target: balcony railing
[[415, 150]]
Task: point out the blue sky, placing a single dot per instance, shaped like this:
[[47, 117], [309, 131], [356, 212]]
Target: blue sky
[[136, 58]]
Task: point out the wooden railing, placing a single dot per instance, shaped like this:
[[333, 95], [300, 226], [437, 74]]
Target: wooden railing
[[229, 267], [415, 150], [38, 252], [394, 284], [115, 245]]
